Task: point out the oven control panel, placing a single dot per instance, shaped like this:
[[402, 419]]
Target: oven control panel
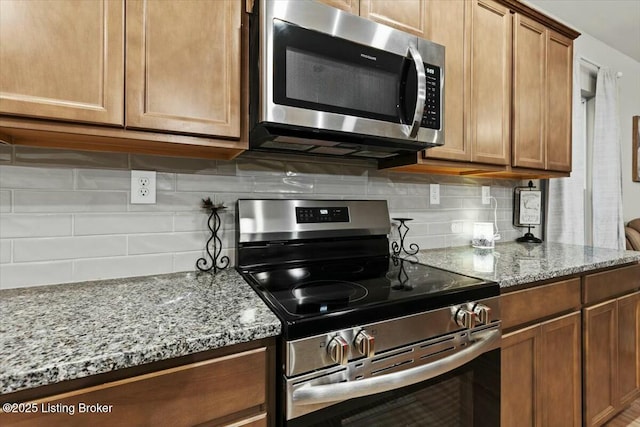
[[306, 215]]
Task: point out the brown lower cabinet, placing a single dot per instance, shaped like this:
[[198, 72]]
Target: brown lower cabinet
[[230, 391], [541, 384], [611, 357]]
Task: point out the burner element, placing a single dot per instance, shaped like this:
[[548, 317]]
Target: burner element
[[321, 296]]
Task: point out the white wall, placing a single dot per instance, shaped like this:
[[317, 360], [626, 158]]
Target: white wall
[[65, 216]]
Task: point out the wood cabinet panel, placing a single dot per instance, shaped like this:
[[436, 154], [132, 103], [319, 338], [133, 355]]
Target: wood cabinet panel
[[351, 6], [533, 393], [560, 372], [529, 102], [63, 59], [611, 283], [559, 100], [404, 15], [519, 359], [629, 348], [600, 362], [183, 66], [491, 83], [447, 24], [183, 396], [529, 305]]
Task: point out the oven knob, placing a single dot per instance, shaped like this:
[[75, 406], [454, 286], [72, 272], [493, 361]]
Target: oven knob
[[482, 313], [365, 344], [338, 350], [464, 318]]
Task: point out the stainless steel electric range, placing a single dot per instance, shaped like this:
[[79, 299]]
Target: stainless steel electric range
[[368, 339]]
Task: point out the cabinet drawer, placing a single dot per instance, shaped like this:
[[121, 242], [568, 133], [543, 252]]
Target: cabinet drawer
[[611, 283], [182, 396], [528, 305]]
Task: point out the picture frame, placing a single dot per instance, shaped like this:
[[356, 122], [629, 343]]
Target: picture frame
[[635, 167], [527, 207]]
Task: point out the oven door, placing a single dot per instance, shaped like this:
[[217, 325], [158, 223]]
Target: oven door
[[326, 69], [466, 395]]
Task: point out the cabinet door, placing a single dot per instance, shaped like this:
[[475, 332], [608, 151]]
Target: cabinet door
[[519, 360], [404, 15], [351, 6], [183, 66], [529, 102], [559, 98], [628, 348], [63, 59], [560, 372], [491, 83], [447, 24], [600, 362]]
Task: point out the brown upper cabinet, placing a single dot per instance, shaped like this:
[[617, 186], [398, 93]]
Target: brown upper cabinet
[[541, 97], [351, 6], [183, 66], [508, 76], [171, 84], [63, 60]]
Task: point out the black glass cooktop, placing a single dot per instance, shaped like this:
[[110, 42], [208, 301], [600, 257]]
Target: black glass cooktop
[[319, 297]]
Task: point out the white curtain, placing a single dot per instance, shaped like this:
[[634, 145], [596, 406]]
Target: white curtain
[[565, 218], [608, 223]]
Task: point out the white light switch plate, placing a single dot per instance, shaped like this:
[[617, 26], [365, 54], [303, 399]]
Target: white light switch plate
[[434, 194], [143, 187]]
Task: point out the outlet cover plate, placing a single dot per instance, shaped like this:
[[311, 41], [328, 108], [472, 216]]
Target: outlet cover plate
[[486, 195], [434, 194], [143, 187]]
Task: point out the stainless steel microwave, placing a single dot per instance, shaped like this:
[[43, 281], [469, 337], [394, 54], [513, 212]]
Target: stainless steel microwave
[[327, 82]]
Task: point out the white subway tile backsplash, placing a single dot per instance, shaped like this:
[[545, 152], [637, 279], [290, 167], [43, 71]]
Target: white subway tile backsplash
[[6, 153], [170, 242], [26, 225], [27, 250], [69, 201], [32, 156], [52, 212], [173, 164], [36, 178], [213, 183], [35, 274], [186, 261], [5, 201], [122, 223], [169, 201], [5, 251], [285, 184], [125, 266], [103, 179]]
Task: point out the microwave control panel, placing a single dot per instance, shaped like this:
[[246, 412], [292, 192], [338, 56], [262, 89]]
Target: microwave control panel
[[432, 105]]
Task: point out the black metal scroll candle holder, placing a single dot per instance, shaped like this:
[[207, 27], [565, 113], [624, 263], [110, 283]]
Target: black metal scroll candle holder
[[403, 230], [217, 263]]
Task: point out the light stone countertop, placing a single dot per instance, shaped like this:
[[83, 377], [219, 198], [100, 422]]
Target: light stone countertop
[[512, 263], [50, 334]]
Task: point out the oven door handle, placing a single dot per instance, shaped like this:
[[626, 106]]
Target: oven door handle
[[327, 393], [412, 129]]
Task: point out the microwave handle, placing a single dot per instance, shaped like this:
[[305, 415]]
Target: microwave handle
[[412, 130], [337, 392]]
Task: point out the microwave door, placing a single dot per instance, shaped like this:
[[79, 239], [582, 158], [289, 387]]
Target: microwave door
[[412, 111]]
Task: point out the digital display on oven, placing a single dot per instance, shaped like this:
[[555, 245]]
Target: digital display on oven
[[316, 215]]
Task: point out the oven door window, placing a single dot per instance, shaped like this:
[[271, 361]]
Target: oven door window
[[320, 72], [466, 397]]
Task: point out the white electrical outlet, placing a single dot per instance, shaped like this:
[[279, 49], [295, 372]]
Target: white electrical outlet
[[486, 195], [457, 227], [143, 187], [434, 194]]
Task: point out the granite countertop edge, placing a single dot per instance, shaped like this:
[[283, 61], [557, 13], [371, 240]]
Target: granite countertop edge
[[76, 330]]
